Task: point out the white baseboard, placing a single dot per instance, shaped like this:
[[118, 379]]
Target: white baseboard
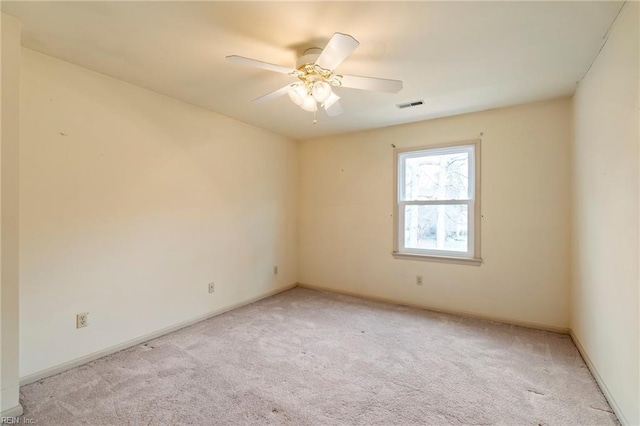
[[603, 387], [544, 327], [52, 371], [18, 410], [12, 412]]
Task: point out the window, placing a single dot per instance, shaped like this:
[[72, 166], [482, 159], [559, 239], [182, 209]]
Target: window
[[437, 203]]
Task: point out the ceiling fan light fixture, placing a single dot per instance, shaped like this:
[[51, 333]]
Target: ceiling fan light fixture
[[297, 93], [315, 70], [321, 91], [309, 104]]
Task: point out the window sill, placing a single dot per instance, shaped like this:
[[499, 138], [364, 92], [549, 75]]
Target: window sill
[[443, 259]]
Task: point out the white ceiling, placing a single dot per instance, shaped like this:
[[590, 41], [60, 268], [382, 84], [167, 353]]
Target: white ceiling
[[456, 56]]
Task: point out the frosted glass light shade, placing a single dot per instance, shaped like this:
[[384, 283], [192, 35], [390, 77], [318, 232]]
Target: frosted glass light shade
[[297, 93], [321, 90], [309, 104]]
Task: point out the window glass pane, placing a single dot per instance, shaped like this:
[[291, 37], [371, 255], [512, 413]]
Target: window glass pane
[[437, 177], [436, 227]]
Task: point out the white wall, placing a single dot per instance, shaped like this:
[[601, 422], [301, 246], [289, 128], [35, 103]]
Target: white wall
[[346, 223], [605, 292], [9, 279], [131, 202]]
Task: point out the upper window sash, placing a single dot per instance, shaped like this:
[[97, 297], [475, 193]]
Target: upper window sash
[[402, 169]]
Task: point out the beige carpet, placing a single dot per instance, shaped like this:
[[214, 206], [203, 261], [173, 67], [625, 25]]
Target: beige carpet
[[305, 357]]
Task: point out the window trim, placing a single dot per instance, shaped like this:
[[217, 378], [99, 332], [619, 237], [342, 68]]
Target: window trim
[[474, 206]]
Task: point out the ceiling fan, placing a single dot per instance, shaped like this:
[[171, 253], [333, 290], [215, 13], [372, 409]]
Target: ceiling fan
[[315, 70]]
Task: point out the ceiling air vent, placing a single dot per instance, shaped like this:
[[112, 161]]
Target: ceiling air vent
[[410, 104]]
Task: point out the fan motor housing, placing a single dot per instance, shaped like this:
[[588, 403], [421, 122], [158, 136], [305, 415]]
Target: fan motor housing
[[308, 57]]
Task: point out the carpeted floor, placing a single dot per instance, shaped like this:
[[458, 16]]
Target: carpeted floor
[[306, 357]]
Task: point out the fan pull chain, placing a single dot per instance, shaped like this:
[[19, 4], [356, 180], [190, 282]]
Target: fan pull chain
[[315, 119]]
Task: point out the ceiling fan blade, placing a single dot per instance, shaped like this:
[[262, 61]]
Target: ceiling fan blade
[[339, 47], [371, 83], [259, 64], [334, 109], [272, 95]]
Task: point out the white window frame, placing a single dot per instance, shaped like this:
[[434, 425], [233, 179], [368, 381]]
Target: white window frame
[[472, 255]]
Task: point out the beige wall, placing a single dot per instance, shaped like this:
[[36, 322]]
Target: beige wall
[[9, 153], [605, 292], [346, 223], [131, 202]]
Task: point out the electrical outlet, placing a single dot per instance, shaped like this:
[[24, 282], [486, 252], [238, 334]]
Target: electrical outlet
[[82, 320], [212, 287], [275, 270], [419, 279]]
